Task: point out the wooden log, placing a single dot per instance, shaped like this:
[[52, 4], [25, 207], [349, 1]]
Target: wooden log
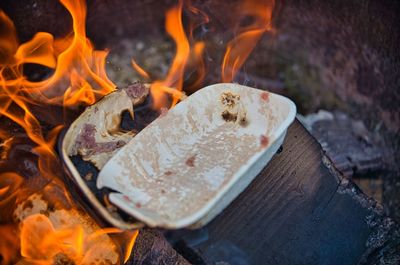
[[299, 210], [152, 248], [348, 143]]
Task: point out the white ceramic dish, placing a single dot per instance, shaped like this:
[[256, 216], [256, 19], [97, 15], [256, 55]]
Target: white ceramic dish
[[188, 165]]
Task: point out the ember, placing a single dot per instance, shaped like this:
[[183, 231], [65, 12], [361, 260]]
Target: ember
[[323, 55]]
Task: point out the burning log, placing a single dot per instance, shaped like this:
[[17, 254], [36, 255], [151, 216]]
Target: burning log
[[49, 225], [56, 236], [293, 208]]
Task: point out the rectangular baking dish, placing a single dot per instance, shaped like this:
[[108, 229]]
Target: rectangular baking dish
[[190, 163]]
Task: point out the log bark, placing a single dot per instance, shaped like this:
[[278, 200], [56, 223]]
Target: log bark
[[151, 247]]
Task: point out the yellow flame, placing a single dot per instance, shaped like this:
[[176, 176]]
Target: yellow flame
[[239, 48], [79, 77]]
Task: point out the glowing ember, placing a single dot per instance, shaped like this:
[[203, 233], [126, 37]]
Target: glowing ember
[[70, 234]]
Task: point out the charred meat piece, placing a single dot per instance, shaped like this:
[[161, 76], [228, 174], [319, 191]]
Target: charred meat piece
[[233, 109]]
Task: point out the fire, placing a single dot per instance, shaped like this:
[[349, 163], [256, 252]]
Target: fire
[[174, 77], [40, 241], [190, 52], [140, 70], [79, 70], [44, 240], [187, 50], [78, 77], [239, 48], [6, 143], [40, 222]]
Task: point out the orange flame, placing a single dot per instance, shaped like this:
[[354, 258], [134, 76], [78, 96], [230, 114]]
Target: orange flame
[[79, 77], [6, 142], [259, 14], [197, 60], [132, 235], [172, 84], [79, 70], [140, 70], [9, 244], [239, 49], [10, 188], [42, 241]]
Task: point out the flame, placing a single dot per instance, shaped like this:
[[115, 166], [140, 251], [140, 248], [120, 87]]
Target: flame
[[79, 70], [42, 241], [78, 77], [9, 244], [239, 48], [198, 61], [190, 52], [187, 50], [10, 183], [174, 78], [140, 70], [131, 235], [6, 143]]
